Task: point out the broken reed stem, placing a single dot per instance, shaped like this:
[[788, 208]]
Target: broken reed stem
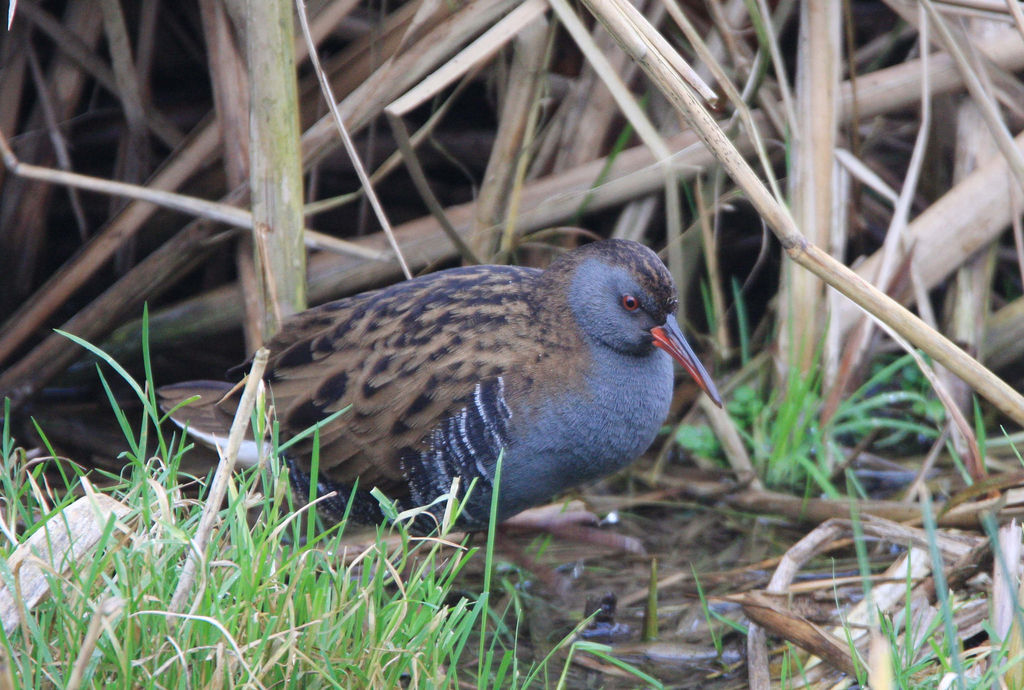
[[219, 487], [807, 255]]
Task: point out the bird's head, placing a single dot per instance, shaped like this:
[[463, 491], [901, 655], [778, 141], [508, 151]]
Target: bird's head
[[623, 298]]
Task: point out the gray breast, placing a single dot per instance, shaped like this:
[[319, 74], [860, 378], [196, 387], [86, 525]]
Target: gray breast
[[578, 437]]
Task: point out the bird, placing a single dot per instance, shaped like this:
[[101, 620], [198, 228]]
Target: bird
[[565, 374]]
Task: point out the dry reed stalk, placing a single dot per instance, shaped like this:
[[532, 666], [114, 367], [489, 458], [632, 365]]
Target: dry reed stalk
[[354, 65], [230, 82], [23, 202], [15, 64], [885, 598], [350, 149], [737, 99], [21, 325], [1006, 579], [843, 203], [275, 169], [856, 349], [539, 43], [1009, 600], [219, 486], [735, 451], [134, 145], [1004, 334], [810, 184], [790, 563], [103, 615], [526, 78], [60, 149], [968, 303], [771, 613], [817, 510], [716, 286], [965, 219]]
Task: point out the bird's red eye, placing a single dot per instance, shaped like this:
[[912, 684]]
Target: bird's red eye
[[630, 303]]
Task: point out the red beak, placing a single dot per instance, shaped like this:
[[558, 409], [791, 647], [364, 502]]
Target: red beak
[[670, 339]]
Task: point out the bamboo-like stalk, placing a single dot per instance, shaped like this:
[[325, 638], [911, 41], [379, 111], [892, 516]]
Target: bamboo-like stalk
[[275, 166], [1004, 330], [814, 140], [129, 88], [970, 296], [716, 287]]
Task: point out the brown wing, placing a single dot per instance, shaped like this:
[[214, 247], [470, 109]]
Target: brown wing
[[402, 359]]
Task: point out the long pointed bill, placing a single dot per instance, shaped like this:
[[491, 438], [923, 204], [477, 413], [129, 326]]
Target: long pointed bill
[[670, 339]]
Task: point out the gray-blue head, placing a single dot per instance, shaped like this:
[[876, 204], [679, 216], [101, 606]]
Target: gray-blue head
[[624, 299]]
